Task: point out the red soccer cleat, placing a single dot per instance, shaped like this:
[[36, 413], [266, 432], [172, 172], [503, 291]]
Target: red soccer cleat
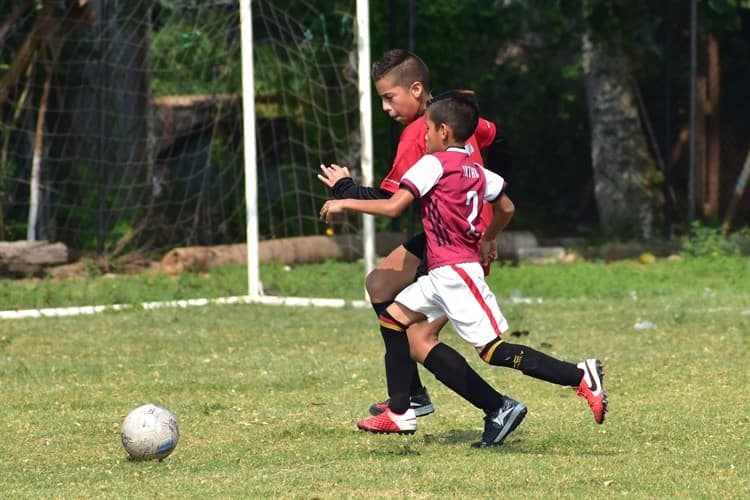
[[592, 389], [390, 423]]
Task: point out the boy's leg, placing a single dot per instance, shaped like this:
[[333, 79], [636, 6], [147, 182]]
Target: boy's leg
[[396, 320], [394, 273], [477, 318], [457, 292], [423, 336], [531, 362], [586, 377], [502, 414], [398, 417], [445, 363]]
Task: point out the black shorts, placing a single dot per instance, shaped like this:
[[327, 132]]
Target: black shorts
[[417, 246]]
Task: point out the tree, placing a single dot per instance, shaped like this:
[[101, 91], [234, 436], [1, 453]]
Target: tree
[[622, 164], [52, 25]]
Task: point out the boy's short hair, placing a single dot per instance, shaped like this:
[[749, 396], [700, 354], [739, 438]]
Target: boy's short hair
[[404, 66], [458, 109]]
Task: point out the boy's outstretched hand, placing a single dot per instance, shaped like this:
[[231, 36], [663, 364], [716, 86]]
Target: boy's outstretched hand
[[331, 208], [330, 175]]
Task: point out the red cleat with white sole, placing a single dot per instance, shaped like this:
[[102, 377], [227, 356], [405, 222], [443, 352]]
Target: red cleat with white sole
[[592, 388], [390, 423]]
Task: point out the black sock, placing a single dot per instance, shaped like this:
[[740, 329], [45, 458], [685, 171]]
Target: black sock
[[416, 382], [532, 363], [399, 367], [380, 307], [451, 368]]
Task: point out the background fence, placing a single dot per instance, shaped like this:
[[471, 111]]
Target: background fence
[[122, 120]]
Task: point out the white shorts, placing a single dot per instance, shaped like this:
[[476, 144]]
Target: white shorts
[[460, 292]]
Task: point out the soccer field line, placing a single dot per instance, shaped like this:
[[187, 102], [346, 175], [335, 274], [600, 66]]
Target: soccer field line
[[57, 312]]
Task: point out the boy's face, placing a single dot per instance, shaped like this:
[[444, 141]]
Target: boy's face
[[435, 137], [403, 104]]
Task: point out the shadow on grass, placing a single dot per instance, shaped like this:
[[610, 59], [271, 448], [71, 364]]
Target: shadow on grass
[[518, 442]]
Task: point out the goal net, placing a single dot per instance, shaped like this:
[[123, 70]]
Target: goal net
[[122, 122]]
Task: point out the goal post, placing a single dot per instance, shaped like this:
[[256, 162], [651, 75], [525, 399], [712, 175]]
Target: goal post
[[251, 167], [365, 124], [255, 286]]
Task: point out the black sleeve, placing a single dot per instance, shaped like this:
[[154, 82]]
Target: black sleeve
[[499, 158], [346, 188]]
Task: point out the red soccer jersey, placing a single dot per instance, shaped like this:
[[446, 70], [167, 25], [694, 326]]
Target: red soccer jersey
[[453, 188], [412, 147]]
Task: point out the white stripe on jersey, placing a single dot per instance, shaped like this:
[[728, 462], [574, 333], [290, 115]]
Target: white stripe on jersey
[[494, 187]]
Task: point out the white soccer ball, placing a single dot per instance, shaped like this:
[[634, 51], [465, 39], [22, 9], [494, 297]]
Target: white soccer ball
[[149, 432]]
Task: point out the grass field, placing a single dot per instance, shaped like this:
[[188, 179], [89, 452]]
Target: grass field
[[267, 397]]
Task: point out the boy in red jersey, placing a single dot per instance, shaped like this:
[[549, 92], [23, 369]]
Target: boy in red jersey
[[452, 187], [403, 83]]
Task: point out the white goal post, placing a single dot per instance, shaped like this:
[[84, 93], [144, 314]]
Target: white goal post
[[365, 124], [255, 287], [251, 167]]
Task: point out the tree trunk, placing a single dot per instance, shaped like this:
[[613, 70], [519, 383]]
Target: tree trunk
[[621, 161]]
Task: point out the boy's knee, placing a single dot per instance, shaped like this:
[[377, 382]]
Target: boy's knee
[[419, 349], [377, 286], [371, 281]]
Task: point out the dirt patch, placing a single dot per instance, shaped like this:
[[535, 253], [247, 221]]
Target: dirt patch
[[201, 259]]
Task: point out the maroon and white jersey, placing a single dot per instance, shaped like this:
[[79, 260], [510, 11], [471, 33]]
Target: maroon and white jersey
[[452, 188]]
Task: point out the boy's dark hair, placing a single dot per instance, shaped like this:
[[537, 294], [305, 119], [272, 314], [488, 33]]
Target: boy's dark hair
[[405, 67], [458, 109]]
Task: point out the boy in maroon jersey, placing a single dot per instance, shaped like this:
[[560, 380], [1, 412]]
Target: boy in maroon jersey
[[403, 83], [452, 188]]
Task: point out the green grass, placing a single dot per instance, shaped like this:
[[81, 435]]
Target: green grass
[[623, 279], [324, 280], [267, 397]]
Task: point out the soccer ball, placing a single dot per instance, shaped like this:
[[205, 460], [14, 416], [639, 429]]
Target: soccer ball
[[149, 432]]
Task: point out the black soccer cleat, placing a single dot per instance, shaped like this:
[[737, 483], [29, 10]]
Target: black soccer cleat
[[420, 402], [498, 424]]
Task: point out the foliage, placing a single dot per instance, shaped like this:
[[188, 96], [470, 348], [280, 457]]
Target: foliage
[[712, 242], [193, 52], [524, 59], [525, 67]]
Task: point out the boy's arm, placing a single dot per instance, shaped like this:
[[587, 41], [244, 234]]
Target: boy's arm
[[346, 188], [343, 186], [502, 212], [391, 207]]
